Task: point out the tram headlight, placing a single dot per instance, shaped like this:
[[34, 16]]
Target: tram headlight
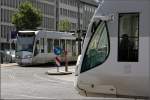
[[17, 57], [28, 56]]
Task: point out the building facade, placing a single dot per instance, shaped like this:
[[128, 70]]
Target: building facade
[[68, 9], [89, 7]]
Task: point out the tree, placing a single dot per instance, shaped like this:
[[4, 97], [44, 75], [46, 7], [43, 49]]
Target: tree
[[28, 17], [64, 25]]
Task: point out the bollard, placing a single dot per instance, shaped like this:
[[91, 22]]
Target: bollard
[[58, 62]]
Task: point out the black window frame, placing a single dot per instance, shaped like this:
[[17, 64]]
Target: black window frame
[[119, 15], [93, 33]]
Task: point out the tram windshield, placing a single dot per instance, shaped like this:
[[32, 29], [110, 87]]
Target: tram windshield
[[25, 42], [98, 47]]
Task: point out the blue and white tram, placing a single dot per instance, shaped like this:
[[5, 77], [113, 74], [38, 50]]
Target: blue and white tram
[[115, 58], [37, 47]]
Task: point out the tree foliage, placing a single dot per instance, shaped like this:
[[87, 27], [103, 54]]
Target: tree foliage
[[28, 17], [64, 25]]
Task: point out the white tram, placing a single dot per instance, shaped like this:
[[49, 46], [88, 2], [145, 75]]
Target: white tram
[[37, 47], [115, 58]]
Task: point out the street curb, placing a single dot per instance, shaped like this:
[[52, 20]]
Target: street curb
[[58, 73], [9, 65]]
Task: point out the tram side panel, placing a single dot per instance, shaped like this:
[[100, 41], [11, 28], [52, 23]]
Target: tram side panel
[[129, 74], [46, 51]]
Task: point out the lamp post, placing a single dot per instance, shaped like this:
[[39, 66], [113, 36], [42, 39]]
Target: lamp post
[[78, 28]]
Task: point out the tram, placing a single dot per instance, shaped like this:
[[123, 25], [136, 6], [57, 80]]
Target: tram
[[37, 47], [115, 59]]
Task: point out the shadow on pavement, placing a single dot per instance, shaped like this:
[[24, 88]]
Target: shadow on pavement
[[48, 65]]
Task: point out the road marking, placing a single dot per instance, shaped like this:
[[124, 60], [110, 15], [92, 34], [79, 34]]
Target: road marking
[[11, 76]]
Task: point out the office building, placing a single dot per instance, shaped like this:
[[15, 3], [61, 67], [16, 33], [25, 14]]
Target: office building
[[89, 7]]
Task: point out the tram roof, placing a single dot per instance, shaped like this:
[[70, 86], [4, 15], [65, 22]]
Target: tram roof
[[56, 34], [44, 31], [50, 34]]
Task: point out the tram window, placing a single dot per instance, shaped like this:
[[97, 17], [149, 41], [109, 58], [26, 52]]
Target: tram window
[[98, 48], [128, 37], [56, 43], [69, 46], [62, 44], [37, 48], [73, 48], [50, 45], [42, 45]]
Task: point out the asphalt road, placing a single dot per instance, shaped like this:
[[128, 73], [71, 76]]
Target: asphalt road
[[33, 83]]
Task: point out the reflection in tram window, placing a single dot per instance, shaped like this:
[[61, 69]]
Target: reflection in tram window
[[128, 37], [98, 48]]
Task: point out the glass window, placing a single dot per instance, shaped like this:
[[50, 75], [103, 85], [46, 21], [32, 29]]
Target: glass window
[[49, 45], [62, 42], [42, 45], [69, 46], [56, 43], [128, 37], [98, 47], [37, 48], [73, 48], [25, 42]]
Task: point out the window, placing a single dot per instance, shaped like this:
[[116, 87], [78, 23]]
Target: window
[[98, 48], [73, 48], [37, 48], [42, 45], [61, 11], [50, 45], [56, 43], [69, 46], [25, 42], [128, 41], [62, 43]]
